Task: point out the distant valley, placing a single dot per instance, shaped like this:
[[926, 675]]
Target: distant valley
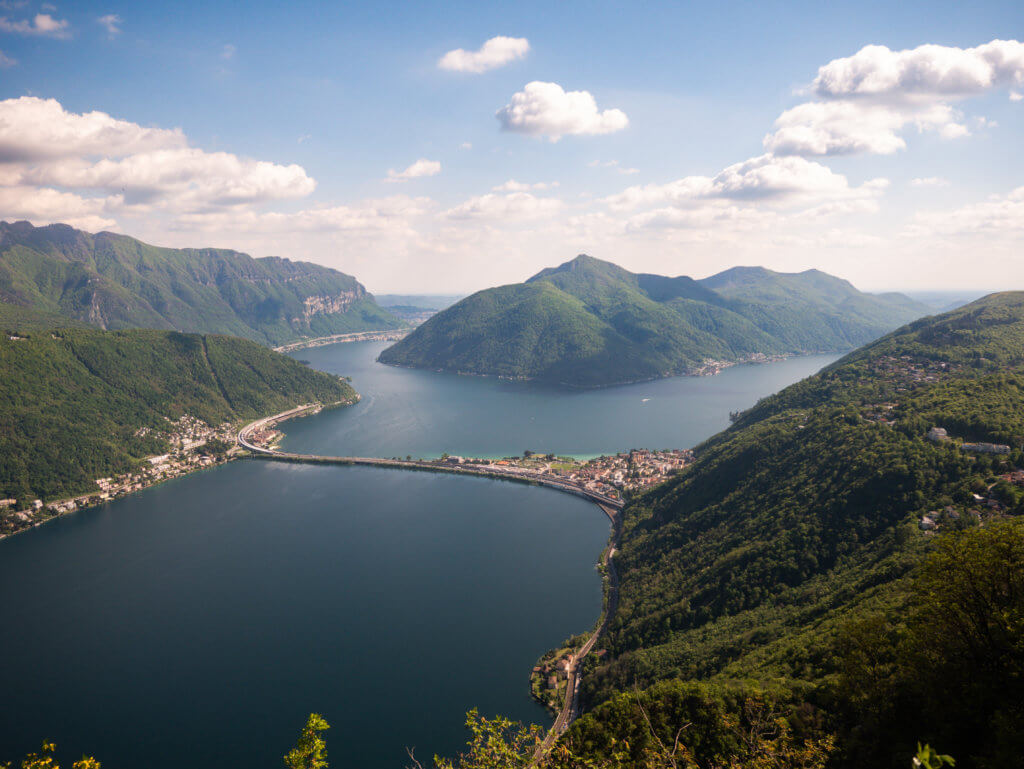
[[589, 323]]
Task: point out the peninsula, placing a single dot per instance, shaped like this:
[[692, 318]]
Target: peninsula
[[590, 323], [86, 414]]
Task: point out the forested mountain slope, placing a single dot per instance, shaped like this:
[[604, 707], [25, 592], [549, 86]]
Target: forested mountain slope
[[590, 322], [114, 282], [786, 560], [72, 402]]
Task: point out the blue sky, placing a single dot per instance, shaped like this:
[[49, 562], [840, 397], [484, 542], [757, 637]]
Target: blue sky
[[286, 129]]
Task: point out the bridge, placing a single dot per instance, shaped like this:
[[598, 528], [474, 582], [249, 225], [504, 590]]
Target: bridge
[[609, 505]]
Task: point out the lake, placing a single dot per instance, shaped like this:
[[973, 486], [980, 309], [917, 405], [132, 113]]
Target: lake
[[197, 623], [425, 413]]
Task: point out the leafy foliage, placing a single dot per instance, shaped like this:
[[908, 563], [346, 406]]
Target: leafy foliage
[[310, 752], [952, 667], [72, 402], [790, 552], [589, 323], [675, 727], [497, 743], [45, 759], [117, 282]]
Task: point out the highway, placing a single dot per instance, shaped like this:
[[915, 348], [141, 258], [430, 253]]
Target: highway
[[357, 336], [570, 706], [609, 505]]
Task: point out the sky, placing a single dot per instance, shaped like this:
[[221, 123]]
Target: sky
[[448, 147]]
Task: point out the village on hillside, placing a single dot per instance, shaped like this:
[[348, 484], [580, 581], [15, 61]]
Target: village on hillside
[[192, 444], [618, 476]]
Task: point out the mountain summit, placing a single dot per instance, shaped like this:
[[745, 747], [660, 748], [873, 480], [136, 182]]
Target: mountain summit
[[589, 322], [115, 282]]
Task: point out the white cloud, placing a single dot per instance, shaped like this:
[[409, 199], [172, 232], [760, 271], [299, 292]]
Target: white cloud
[[6, 61], [926, 72], [112, 23], [625, 171], [44, 146], [417, 170], [33, 129], [513, 186], [374, 215], [228, 52], [502, 208], [545, 109], [42, 25], [496, 52], [47, 206], [765, 178], [712, 219], [929, 181], [1016, 95], [185, 178], [847, 127], [870, 98], [999, 216], [466, 146]]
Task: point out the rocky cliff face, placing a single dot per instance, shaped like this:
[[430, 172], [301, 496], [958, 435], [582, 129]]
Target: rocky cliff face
[[329, 304]]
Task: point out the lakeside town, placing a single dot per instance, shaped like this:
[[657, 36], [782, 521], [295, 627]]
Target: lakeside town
[[192, 445], [618, 476]]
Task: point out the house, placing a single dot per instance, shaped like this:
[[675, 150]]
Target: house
[[987, 448], [938, 434]]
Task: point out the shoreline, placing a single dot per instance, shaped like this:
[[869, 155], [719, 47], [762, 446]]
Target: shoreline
[[230, 455], [104, 502], [711, 368], [382, 335], [612, 508]]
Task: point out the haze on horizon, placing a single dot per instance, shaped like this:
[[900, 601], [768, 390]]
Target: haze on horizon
[[428, 149]]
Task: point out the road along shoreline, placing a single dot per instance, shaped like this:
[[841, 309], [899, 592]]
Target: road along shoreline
[[609, 506], [382, 335]]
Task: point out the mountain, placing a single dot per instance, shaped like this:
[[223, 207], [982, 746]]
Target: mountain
[[73, 403], [589, 323], [834, 555], [115, 282]]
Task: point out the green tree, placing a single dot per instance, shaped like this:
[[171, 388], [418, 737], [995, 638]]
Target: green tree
[[954, 669], [928, 758], [310, 752], [45, 759], [496, 743]]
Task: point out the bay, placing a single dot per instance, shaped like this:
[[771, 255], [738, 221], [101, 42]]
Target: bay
[[426, 413], [198, 622]]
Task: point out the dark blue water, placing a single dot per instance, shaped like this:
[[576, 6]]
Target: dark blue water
[[196, 624], [424, 413]]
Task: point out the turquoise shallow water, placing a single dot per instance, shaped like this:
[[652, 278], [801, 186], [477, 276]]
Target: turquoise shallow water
[[197, 623]]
